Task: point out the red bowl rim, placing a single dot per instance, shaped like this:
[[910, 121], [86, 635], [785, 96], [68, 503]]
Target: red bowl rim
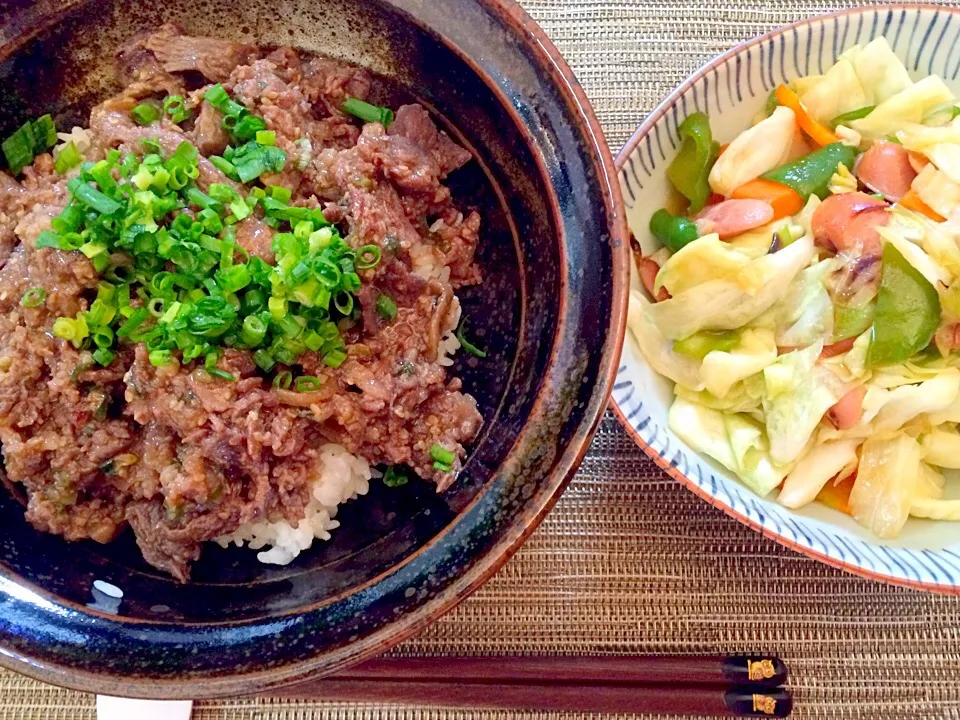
[[625, 152]]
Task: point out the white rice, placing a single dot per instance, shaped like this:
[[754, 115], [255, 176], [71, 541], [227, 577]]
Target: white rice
[[81, 138], [428, 263], [449, 344], [341, 477]]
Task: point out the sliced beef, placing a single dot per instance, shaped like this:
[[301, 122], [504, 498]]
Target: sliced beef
[[215, 59], [112, 127], [208, 133], [139, 70], [328, 83], [256, 237], [414, 123]]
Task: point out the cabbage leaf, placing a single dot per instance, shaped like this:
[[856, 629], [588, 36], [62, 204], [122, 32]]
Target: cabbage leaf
[[753, 152], [824, 462], [862, 76], [887, 481], [705, 259], [797, 394], [941, 447], [907, 106], [720, 370], [735, 441], [656, 348], [729, 304], [937, 190], [805, 314]]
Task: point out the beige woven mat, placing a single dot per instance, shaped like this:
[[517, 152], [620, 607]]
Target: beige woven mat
[[629, 561]]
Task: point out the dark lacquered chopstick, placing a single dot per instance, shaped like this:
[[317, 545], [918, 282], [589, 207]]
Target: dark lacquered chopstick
[[703, 700], [586, 670]]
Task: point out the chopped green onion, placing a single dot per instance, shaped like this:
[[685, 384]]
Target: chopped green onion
[[33, 297], [67, 159], [159, 358], [174, 106], [103, 356], [75, 330], [247, 126], [282, 380], [93, 198], [224, 166], [307, 383], [253, 331], [102, 337], [44, 134], [216, 96], [48, 238], [466, 344], [441, 455], [367, 112], [343, 301], [281, 193], [368, 257], [386, 307], [334, 358], [18, 148], [218, 373], [145, 114], [264, 360], [442, 467], [394, 477], [266, 137]]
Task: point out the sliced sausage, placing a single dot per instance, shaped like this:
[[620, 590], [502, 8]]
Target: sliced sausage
[[648, 276], [886, 168], [848, 410], [734, 217], [840, 223]]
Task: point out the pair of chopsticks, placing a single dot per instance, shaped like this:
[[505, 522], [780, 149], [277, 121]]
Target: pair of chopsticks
[[654, 684]]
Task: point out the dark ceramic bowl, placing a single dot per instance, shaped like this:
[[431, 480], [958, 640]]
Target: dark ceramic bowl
[[551, 312]]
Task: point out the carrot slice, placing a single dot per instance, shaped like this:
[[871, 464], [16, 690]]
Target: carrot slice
[[820, 134], [912, 201], [836, 495], [785, 200], [838, 348]]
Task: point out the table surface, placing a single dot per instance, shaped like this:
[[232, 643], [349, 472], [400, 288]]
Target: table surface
[[629, 561]]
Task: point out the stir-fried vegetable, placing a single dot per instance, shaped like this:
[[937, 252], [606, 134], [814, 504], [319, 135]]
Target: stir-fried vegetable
[[690, 169], [765, 146], [808, 311], [908, 311], [784, 200], [673, 232], [811, 174], [821, 135], [848, 117]]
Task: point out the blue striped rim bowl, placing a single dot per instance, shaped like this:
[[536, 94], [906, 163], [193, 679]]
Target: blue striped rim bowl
[[731, 90]]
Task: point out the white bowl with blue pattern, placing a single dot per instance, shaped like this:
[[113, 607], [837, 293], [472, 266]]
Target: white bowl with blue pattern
[[731, 90]]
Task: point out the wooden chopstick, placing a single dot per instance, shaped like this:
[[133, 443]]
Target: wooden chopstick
[[581, 670], [737, 686], [702, 700]]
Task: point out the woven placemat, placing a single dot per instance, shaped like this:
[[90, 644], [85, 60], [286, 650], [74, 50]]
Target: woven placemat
[[629, 561]]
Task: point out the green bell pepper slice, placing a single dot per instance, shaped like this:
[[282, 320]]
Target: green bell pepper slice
[[674, 233], [691, 167], [908, 312], [811, 174], [700, 344], [851, 322], [848, 117]]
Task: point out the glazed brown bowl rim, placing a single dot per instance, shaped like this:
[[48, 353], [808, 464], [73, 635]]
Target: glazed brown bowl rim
[[535, 40]]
